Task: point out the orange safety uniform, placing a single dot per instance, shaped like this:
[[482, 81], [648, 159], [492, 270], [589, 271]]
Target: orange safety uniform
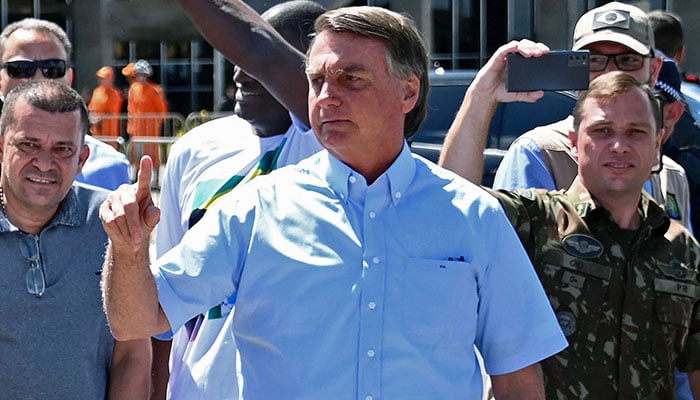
[[106, 100], [146, 98]]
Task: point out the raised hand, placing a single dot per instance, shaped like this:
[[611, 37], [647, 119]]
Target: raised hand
[[490, 81], [129, 214]]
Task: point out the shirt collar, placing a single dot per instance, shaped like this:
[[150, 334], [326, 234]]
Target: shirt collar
[[399, 174], [67, 214], [650, 212]]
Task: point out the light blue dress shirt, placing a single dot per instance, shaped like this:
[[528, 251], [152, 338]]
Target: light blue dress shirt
[[349, 291], [105, 167]]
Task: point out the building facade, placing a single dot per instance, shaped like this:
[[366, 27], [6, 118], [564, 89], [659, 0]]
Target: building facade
[[461, 35]]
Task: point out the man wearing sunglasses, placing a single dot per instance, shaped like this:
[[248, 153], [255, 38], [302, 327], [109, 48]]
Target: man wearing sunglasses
[[33, 49], [38, 49]]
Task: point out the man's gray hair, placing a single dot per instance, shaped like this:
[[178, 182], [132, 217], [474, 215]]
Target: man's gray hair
[[39, 25], [406, 50]]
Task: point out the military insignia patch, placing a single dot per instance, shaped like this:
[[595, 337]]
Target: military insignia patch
[[582, 246], [567, 322], [672, 206], [583, 208], [611, 19]]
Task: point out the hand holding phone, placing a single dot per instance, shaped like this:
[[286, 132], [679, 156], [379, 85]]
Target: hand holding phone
[[556, 70]]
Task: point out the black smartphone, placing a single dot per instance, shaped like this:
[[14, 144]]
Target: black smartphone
[[556, 70]]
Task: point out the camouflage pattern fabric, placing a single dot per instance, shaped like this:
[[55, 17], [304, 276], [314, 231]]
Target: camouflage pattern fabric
[[627, 301]]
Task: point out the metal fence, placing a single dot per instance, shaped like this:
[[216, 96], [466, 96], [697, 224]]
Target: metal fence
[[134, 147], [174, 126], [199, 117]]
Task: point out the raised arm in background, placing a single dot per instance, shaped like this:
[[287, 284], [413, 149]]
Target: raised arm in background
[[466, 138], [245, 39]]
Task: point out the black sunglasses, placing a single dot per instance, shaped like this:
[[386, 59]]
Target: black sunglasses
[[21, 69]]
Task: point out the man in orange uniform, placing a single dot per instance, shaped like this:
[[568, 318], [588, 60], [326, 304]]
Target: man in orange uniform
[[145, 97], [105, 104], [128, 72]]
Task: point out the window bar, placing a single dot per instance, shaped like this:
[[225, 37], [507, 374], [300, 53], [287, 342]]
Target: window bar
[[455, 34]]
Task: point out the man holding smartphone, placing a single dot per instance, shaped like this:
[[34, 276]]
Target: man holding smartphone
[[620, 275], [620, 38]]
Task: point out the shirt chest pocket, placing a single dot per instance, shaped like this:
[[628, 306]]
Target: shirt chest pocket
[[563, 272], [674, 301], [577, 289], [676, 291], [437, 299], [673, 305]]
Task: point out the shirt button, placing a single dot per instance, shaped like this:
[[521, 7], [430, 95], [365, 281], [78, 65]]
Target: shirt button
[[368, 397], [370, 353], [372, 305], [397, 195], [375, 260], [372, 214], [352, 179]]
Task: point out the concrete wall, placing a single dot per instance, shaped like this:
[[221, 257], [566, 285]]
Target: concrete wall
[[98, 23]]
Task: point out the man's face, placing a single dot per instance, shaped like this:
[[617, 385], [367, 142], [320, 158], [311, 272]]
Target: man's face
[[139, 77], [356, 108], [257, 106], [30, 45], [617, 144], [41, 155], [647, 73]]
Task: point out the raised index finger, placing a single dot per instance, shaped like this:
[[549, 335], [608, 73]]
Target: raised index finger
[[143, 179]]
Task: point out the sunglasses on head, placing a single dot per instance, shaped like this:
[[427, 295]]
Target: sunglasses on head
[[51, 69]]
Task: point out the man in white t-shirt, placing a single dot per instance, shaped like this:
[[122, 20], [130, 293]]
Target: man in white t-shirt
[[215, 157]]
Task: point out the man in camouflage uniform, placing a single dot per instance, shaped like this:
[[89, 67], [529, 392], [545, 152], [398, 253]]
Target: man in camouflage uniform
[[621, 276]]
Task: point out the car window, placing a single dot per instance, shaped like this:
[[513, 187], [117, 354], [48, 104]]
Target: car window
[[509, 121]]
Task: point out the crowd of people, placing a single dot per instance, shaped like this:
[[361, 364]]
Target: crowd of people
[[303, 251]]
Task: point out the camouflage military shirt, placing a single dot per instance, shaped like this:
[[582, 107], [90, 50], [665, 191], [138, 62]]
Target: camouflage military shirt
[[627, 301]]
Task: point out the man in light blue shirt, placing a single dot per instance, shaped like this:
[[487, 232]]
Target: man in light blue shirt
[[363, 271], [106, 167]]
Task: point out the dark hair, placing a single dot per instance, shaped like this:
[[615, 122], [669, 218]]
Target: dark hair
[[406, 51], [668, 31], [294, 20], [613, 84], [45, 94], [38, 25]]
